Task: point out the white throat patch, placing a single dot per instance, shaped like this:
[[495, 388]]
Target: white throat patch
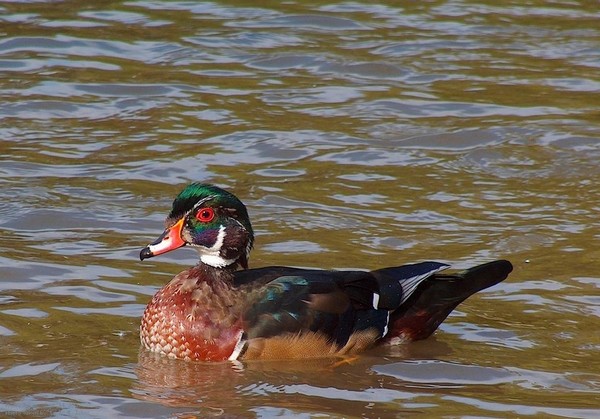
[[211, 255]]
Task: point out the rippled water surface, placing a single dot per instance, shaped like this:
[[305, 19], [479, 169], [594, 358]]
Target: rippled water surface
[[359, 134]]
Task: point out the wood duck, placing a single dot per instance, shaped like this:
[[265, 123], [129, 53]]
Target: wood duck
[[215, 311]]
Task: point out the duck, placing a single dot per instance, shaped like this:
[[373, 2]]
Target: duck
[[221, 310]]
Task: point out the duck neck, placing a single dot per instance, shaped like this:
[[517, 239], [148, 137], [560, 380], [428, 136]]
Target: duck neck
[[210, 274]]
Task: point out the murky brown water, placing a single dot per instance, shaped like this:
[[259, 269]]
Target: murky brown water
[[360, 135]]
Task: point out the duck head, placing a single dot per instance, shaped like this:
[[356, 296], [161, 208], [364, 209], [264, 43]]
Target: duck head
[[210, 219]]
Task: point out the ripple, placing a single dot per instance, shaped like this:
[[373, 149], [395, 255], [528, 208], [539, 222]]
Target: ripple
[[309, 21], [28, 370], [120, 16], [430, 373], [32, 65], [520, 409], [26, 312], [293, 246], [248, 41], [125, 310], [88, 293]]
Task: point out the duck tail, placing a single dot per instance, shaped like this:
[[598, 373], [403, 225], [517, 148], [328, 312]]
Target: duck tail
[[437, 296]]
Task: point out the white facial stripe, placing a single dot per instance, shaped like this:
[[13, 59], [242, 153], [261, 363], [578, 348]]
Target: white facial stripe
[[215, 261], [211, 255], [200, 203], [220, 238]]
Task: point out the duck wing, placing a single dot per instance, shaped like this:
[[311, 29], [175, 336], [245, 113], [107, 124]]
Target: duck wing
[[345, 311]]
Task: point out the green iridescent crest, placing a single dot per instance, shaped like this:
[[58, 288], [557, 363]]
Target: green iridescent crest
[[214, 197]]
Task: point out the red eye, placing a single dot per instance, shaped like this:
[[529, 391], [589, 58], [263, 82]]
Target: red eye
[[205, 215]]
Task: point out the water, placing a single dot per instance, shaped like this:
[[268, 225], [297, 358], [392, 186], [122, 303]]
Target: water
[[360, 136]]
